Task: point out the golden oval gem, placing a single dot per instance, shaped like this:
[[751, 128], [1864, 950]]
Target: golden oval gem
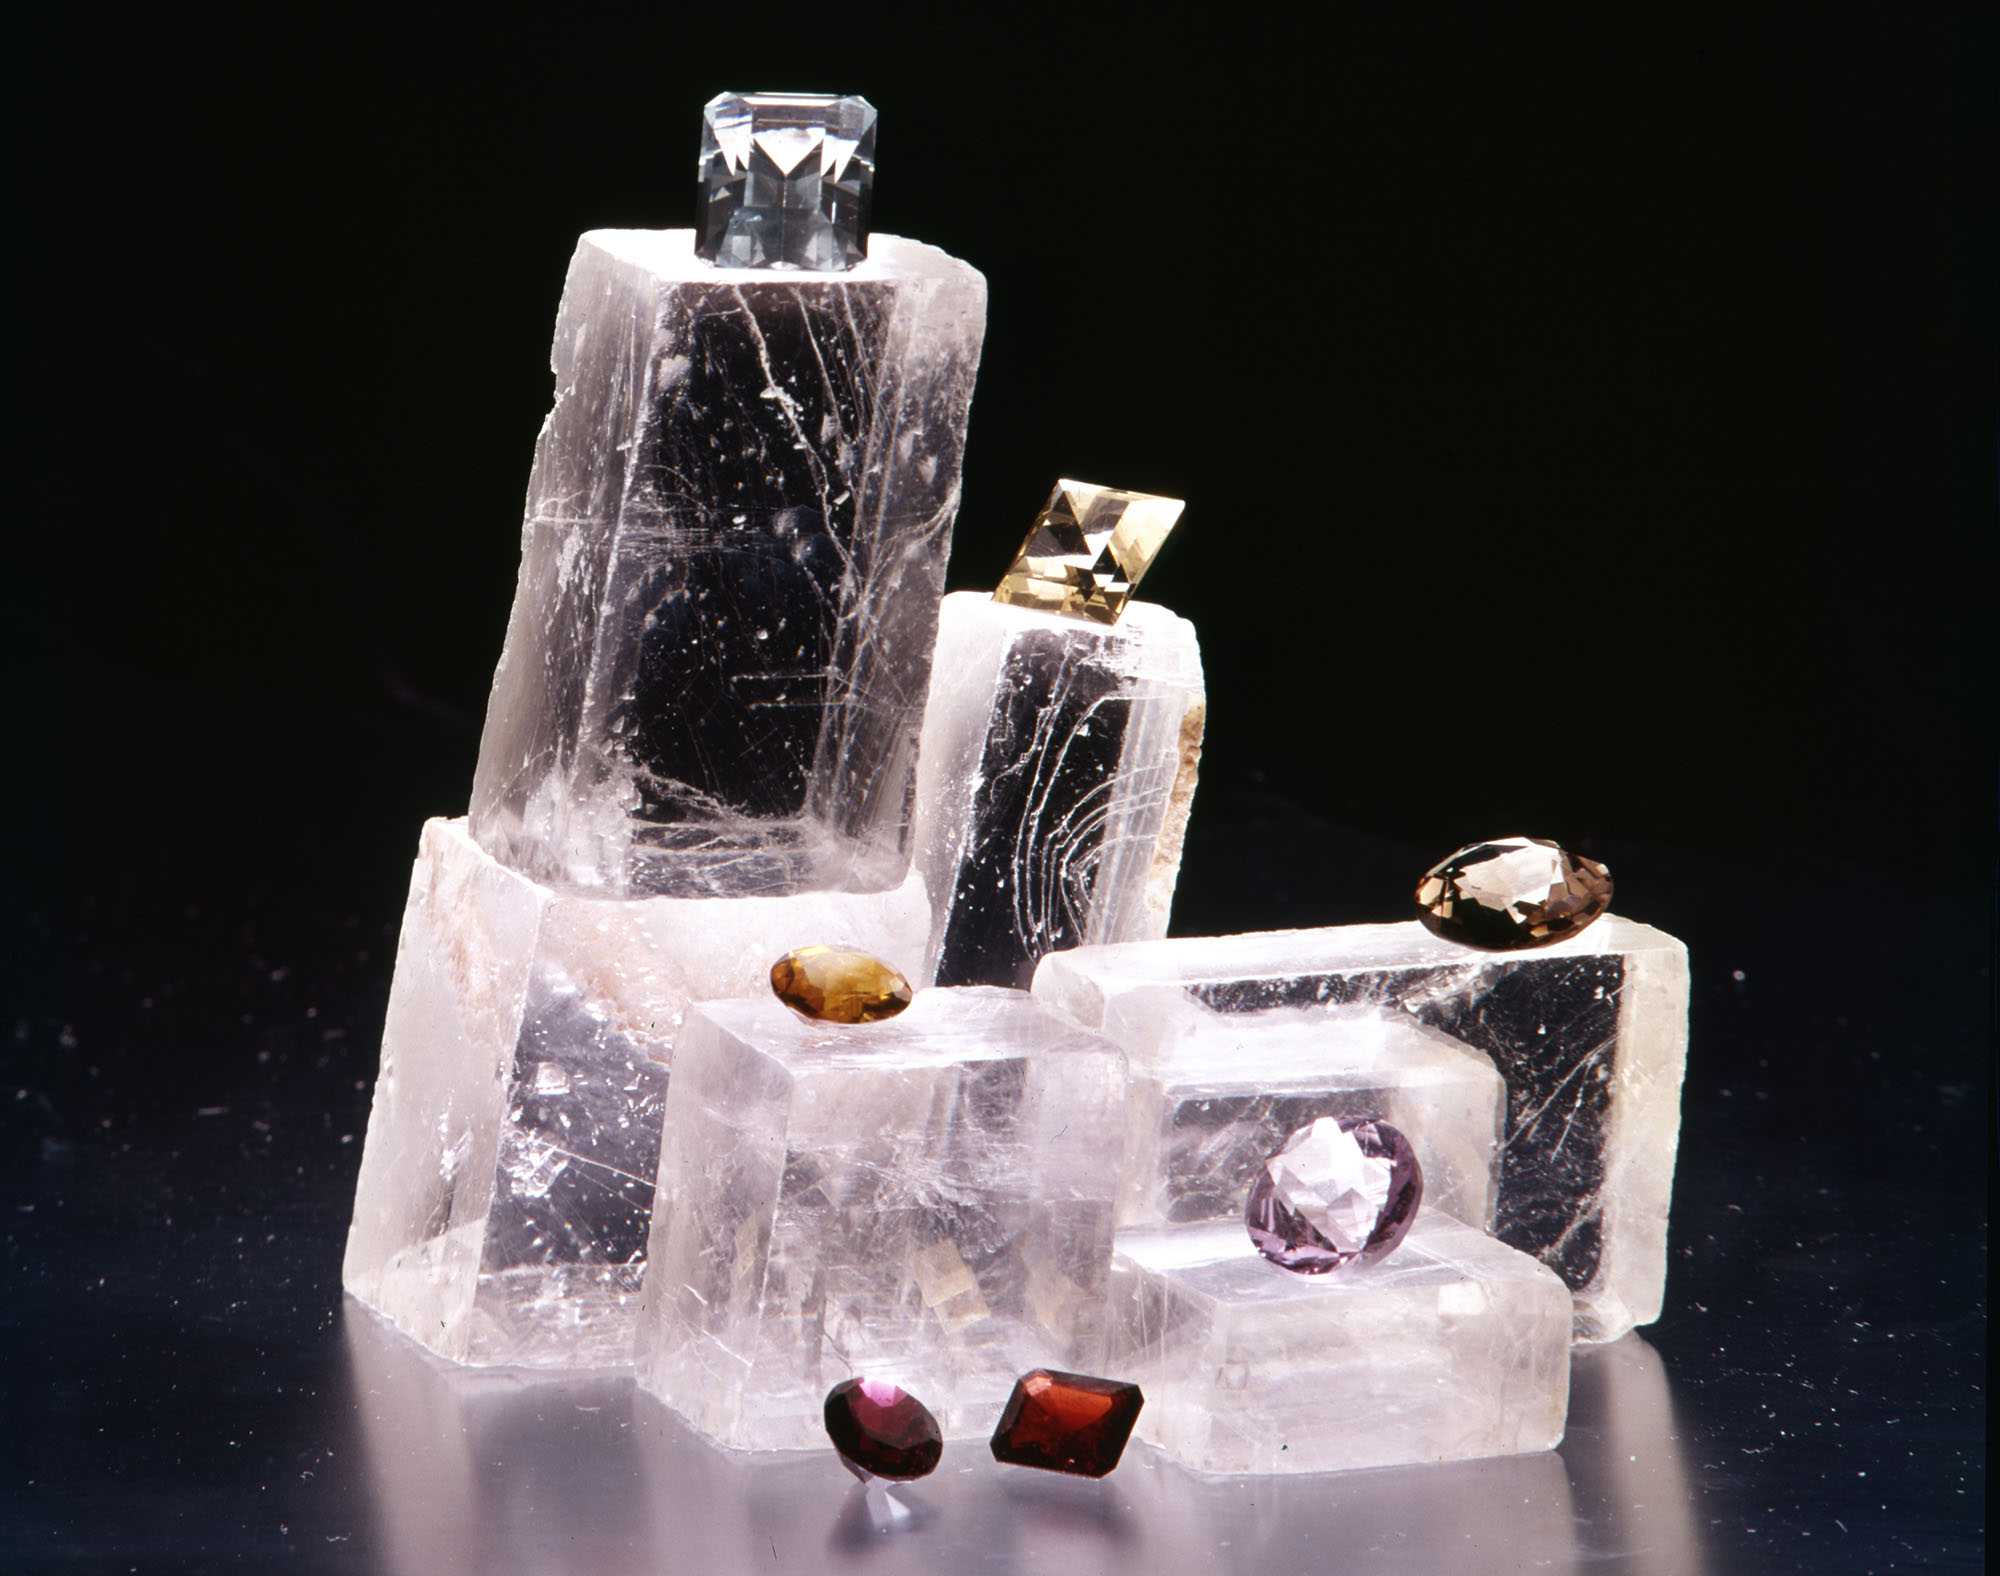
[[838, 985]]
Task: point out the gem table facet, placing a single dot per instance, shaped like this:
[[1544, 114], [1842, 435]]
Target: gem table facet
[[1062, 1422], [786, 180], [881, 1430], [1512, 892], [839, 985], [1087, 550], [1343, 1191]]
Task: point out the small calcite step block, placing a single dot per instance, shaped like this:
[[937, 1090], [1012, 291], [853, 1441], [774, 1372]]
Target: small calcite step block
[[731, 562], [1058, 762], [1454, 1346], [1219, 1093], [507, 1179], [1590, 1034], [924, 1201]]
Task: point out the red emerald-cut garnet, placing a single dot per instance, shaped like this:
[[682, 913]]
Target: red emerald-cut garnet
[[1067, 1422], [881, 1430]]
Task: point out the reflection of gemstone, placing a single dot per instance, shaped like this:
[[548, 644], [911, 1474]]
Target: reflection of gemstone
[[785, 180], [839, 986], [1067, 1422], [1087, 549], [1341, 1191], [1512, 892], [881, 1430]]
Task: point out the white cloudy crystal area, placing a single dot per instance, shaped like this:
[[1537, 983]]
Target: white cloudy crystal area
[[1590, 1035], [1454, 1346], [508, 1175], [731, 562], [1221, 1093], [1059, 760], [926, 1200]]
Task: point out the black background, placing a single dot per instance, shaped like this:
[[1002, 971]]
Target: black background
[[1587, 430]]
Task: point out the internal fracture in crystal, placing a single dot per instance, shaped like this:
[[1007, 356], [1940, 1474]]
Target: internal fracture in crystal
[[839, 985], [1342, 1192], [926, 1200], [786, 180], [731, 564], [1589, 1033], [1512, 892], [1087, 550], [1057, 765]]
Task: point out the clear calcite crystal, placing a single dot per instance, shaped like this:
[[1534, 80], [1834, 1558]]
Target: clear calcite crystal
[[1455, 1346], [1087, 550], [507, 1179], [925, 1202], [1590, 1034], [1214, 1094], [786, 180], [731, 562], [1058, 763]]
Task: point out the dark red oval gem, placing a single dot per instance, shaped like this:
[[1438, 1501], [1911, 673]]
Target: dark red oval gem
[[881, 1430], [1067, 1422]]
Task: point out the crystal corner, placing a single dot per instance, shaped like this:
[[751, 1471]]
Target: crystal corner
[[786, 180], [1087, 550]]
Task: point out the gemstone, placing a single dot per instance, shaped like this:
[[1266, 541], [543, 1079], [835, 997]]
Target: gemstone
[[881, 1430], [785, 180], [1512, 892], [1067, 1422], [1342, 1191], [1087, 549], [838, 985]]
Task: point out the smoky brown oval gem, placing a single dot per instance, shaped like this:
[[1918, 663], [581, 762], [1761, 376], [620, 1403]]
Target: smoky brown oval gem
[[839, 985], [1512, 892]]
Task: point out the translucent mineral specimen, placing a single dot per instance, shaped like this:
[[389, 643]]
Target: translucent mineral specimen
[[1059, 759], [731, 562], [1214, 1094], [925, 1201], [508, 1175], [785, 180], [1590, 1034], [1457, 1346]]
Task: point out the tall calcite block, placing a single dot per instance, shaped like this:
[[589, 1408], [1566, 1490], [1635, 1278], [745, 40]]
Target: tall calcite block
[[926, 1200], [1590, 1035], [1455, 1346], [731, 564], [1222, 1092], [1059, 760], [507, 1180]]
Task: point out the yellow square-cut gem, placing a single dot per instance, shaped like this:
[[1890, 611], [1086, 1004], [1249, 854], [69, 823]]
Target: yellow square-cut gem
[[1087, 549]]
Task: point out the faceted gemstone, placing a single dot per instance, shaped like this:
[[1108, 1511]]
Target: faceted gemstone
[[1343, 1190], [839, 985], [1512, 892], [1087, 549], [785, 180], [1067, 1422], [881, 1430]]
